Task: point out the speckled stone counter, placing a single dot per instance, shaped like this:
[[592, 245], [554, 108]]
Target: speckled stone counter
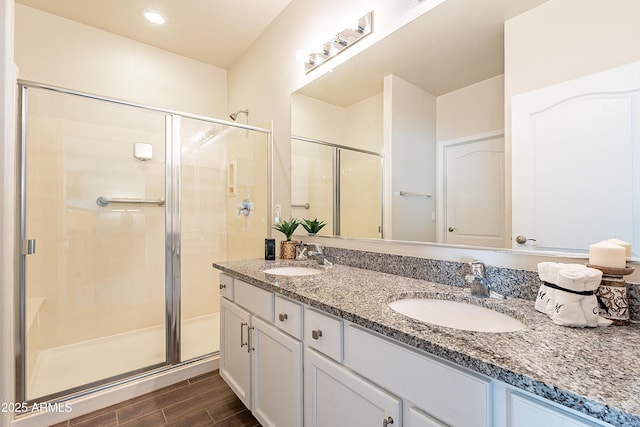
[[594, 371]]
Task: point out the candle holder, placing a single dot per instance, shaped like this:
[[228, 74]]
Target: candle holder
[[613, 301]]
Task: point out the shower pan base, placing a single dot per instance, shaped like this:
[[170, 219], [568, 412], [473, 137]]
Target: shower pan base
[[69, 366]]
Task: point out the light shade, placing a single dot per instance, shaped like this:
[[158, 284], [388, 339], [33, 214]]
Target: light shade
[[154, 16]]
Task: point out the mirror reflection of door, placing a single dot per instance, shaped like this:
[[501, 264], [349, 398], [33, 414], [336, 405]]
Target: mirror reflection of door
[[473, 191], [576, 161]]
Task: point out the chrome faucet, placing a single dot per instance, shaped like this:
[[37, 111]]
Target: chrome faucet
[[479, 283], [318, 254]]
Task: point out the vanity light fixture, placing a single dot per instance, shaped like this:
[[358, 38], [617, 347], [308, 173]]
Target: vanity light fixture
[[339, 42], [154, 17]]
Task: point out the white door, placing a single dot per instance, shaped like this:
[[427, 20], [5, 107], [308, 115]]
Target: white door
[[276, 376], [473, 191], [575, 156], [235, 359], [334, 396]]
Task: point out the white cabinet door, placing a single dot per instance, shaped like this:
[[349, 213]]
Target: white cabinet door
[[276, 376], [526, 412], [417, 418], [455, 396], [334, 396], [235, 359]]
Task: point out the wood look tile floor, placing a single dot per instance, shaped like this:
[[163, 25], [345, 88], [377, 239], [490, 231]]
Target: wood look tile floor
[[205, 400]]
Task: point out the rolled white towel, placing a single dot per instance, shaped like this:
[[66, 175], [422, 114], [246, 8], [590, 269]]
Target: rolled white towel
[[567, 310], [590, 302], [548, 272]]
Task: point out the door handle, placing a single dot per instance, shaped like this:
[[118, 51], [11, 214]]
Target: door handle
[[523, 239], [452, 229]]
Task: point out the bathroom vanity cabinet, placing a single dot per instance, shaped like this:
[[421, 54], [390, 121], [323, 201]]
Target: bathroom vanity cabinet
[[354, 376], [261, 363]]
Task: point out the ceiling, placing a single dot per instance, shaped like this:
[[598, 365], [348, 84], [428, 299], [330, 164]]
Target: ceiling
[[458, 43], [215, 32]]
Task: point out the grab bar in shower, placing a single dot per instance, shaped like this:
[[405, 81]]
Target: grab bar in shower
[[304, 205], [104, 201], [412, 194]]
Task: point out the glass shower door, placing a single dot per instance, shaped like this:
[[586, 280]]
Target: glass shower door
[[94, 241], [223, 198]]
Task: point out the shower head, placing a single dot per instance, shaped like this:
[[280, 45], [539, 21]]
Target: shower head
[[234, 116]]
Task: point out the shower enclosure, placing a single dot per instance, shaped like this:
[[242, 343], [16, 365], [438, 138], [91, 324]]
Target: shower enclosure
[[123, 209]]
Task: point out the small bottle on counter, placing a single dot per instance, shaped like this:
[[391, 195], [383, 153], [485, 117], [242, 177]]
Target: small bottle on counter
[[270, 249]]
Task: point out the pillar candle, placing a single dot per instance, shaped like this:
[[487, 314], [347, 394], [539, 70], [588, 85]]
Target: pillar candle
[[606, 254], [625, 245]]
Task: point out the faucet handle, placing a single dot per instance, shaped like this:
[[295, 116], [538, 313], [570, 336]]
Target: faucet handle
[[477, 268]]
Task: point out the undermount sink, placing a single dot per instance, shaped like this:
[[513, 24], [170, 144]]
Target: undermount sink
[[292, 271], [458, 315]]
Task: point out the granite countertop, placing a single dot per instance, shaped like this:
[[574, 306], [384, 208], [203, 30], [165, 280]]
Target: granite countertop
[[593, 370]]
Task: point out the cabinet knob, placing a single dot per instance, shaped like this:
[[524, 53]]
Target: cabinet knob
[[282, 317], [387, 421], [452, 229], [316, 334], [222, 286]]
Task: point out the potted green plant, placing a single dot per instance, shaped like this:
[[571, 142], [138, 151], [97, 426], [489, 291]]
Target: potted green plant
[[313, 226], [287, 247]]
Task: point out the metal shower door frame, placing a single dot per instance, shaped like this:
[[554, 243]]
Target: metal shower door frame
[[172, 242]]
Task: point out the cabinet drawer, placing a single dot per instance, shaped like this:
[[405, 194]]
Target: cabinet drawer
[[256, 300], [288, 317], [436, 387], [226, 286], [324, 333]]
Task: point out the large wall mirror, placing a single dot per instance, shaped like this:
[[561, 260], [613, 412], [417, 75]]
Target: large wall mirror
[[501, 123]]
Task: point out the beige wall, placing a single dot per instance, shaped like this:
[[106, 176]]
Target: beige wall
[[410, 160], [472, 110], [64, 53], [316, 119]]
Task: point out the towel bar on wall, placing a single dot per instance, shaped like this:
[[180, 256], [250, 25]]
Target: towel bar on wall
[[412, 194], [304, 205], [104, 201]]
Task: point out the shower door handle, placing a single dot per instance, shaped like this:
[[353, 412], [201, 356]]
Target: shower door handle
[[29, 247], [242, 325]]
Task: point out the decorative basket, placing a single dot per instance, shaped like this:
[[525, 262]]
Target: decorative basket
[[288, 249]]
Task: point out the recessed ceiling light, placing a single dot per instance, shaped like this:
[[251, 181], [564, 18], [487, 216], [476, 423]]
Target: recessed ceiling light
[[154, 16]]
